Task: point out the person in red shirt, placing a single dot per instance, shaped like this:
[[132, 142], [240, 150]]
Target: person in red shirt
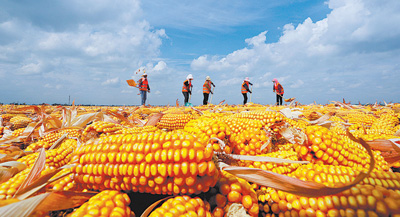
[[278, 89], [245, 89], [144, 88], [187, 87], [207, 89]]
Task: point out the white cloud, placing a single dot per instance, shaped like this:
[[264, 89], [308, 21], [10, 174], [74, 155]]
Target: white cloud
[[160, 66], [111, 81], [297, 84]]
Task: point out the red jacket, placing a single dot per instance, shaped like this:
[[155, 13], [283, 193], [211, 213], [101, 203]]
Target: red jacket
[[278, 88]]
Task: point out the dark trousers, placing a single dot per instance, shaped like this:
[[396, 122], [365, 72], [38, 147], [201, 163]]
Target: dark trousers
[[245, 98], [186, 95], [205, 99], [278, 99]]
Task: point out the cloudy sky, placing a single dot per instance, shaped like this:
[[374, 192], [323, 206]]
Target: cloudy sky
[[86, 50]]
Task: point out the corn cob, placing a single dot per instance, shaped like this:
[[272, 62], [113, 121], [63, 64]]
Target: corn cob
[[238, 125], [300, 124], [361, 118], [49, 139], [19, 121], [231, 189], [105, 203], [55, 157], [267, 118], [100, 128], [159, 163], [64, 184], [249, 142], [331, 175], [183, 206], [7, 117], [136, 130], [17, 132], [327, 147], [174, 121], [206, 128], [1, 131], [8, 188], [360, 200]]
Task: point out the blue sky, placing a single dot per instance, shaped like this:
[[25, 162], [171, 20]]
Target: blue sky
[[319, 50]]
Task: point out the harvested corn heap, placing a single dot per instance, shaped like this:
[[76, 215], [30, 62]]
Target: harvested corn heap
[[159, 163]]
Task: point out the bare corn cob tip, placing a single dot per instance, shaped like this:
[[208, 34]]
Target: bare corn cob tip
[[183, 206], [158, 163], [105, 203]]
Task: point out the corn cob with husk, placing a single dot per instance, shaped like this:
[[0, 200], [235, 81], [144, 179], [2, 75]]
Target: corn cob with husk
[[326, 147], [19, 121], [50, 138], [55, 157], [8, 188], [207, 128], [159, 163], [183, 206], [174, 121], [105, 203], [360, 200], [100, 128], [232, 190]]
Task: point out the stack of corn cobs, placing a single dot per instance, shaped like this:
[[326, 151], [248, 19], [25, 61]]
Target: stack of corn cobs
[[207, 160]]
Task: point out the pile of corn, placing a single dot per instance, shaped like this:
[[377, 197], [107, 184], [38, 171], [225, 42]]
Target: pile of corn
[[177, 156]]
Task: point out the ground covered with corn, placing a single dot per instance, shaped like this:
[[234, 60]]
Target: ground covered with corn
[[217, 160]]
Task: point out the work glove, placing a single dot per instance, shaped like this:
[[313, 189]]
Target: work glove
[[190, 92], [250, 91], [211, 92]]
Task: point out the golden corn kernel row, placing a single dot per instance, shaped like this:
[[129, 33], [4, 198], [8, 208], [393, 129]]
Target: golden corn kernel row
[[174, 121], [231, 189], [182, 206], [360, 117], [105, 203], [360, 200], [266, 117], [64, 184], [159, 163]]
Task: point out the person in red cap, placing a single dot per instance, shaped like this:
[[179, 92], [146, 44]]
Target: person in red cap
[[245, 89], [278, 89]]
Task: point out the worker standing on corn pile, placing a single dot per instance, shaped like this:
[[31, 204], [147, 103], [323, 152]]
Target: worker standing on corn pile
[[207, 89], [278, 89], [144, 88], [187, 87], [245, 89]]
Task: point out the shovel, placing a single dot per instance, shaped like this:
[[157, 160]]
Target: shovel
[[288, 100]]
